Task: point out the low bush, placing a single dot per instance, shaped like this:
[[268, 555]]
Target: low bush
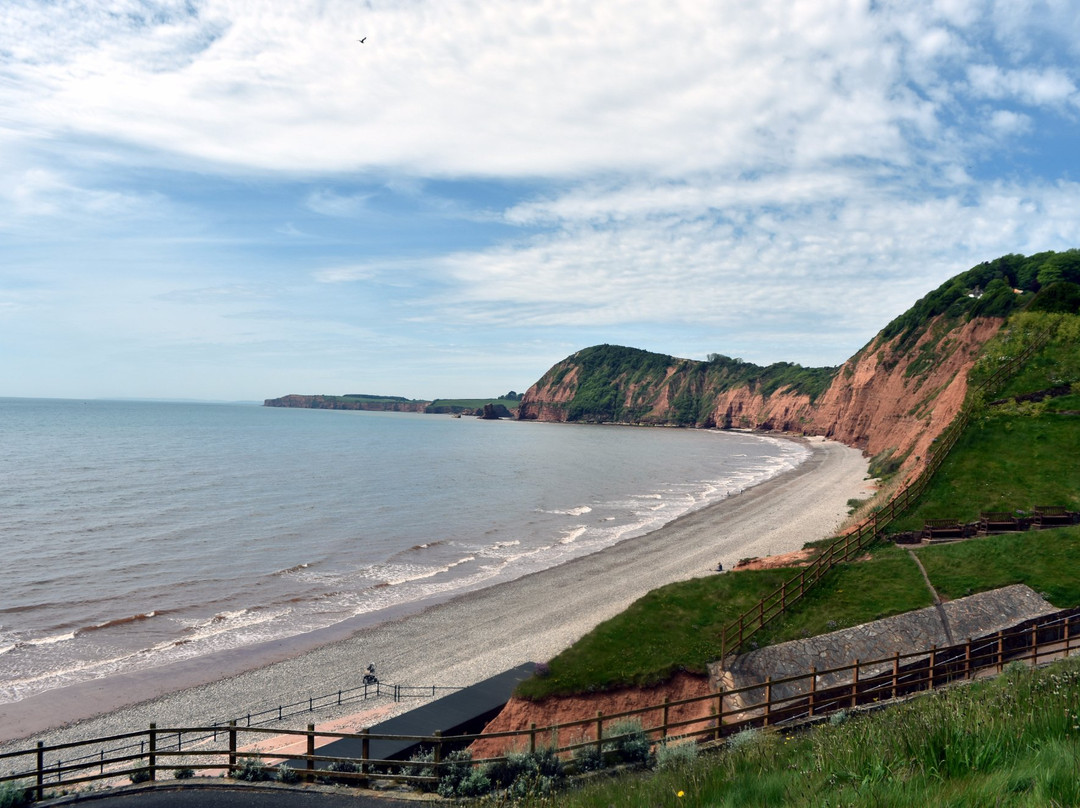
[[588, 759], [253, 770], [13, 795], [629, 744], [676, 754], [287, 774], [456, 769]]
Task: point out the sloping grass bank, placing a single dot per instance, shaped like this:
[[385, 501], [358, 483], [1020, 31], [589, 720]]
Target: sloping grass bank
[[1011, 741], [677, 627]]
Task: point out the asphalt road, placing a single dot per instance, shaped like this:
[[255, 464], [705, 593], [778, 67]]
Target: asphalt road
[[221, 796]]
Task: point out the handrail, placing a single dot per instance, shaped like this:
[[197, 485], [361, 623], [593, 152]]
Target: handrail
[[736, 633], [363, 693], [812, 695]]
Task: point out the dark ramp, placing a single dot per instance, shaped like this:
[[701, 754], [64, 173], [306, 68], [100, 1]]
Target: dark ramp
[[465, 712]]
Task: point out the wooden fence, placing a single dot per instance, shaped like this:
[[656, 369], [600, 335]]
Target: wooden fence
[[735, 634], [788, 702]]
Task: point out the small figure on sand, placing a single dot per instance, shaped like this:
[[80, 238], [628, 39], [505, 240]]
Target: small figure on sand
[[720, 566], [369, 677]]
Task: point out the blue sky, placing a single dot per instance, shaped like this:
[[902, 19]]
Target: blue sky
[[235, 200]]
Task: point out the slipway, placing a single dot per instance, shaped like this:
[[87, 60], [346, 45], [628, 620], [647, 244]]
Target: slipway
[[464, 712]]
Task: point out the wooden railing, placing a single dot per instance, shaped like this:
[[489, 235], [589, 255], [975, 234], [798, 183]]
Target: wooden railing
[[735, 634], [787, 701]]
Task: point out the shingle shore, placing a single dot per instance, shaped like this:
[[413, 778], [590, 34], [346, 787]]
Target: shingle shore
[[482, 633]]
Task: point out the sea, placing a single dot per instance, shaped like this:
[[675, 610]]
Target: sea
[[137, 534]]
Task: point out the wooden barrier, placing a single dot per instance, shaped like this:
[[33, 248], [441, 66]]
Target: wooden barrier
[[786, 701]]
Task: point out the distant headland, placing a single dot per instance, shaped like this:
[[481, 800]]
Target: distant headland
[[504, 406]]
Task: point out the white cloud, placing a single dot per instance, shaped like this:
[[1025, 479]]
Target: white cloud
[[40, 192], [329, 203], [1051, 87], [752, 170], [553, 87]]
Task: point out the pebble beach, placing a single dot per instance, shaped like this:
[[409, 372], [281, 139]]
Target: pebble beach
[[464, 640]]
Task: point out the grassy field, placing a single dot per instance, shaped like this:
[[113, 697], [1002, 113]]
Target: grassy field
[[1012, 741], [1046, 560]]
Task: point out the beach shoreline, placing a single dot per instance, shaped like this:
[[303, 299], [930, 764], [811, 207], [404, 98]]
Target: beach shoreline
[[459, 640]]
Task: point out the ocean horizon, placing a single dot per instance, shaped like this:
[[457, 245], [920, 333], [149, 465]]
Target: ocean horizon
[[143, 533]]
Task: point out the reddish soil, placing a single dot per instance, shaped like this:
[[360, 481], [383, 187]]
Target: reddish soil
[[800, 558], [519, 714]]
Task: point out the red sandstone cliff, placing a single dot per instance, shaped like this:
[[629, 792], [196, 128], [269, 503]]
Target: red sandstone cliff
[[886, 398]]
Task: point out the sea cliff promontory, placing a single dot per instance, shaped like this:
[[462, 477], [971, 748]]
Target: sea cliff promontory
[[349, 402], [891, 399]]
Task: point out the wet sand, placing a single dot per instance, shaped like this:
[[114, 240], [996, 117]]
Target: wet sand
[[464, 640]]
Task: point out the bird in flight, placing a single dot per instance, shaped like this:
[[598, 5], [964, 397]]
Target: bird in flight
[[362, 41]]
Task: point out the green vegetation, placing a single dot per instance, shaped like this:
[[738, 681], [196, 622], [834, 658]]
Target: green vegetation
[[989, 290], [620, 384], [768, 380], [366, 397], [676, 627], [1045, 560], [671, 628], [884, 584], [13, 795], [602, 372], [1012, 741], [445, 405], [1012, 455]]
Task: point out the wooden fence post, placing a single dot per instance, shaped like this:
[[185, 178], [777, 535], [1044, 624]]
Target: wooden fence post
[[813, 689], [365, 750], [311, 752], [532, 738], [896, 675], [768, 699], [667, 703], [933, 664], [151, 759], [437, 735], [599, 733], [719, 713], [1000, 652], [855, 684], [1034, 646], [1068, 623], [232, 748], [967, 659], [40, 771]]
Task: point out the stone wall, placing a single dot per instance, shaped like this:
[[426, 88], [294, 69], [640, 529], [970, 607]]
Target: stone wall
[[941, 625]]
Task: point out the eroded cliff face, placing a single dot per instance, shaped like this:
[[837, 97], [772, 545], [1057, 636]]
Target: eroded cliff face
[[886, 398], [519, 714]]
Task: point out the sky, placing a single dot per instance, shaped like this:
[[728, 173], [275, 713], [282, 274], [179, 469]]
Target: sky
[[233, 200]]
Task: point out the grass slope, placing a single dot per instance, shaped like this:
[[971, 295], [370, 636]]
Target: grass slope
[[1012, 456], [1011, 741]]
